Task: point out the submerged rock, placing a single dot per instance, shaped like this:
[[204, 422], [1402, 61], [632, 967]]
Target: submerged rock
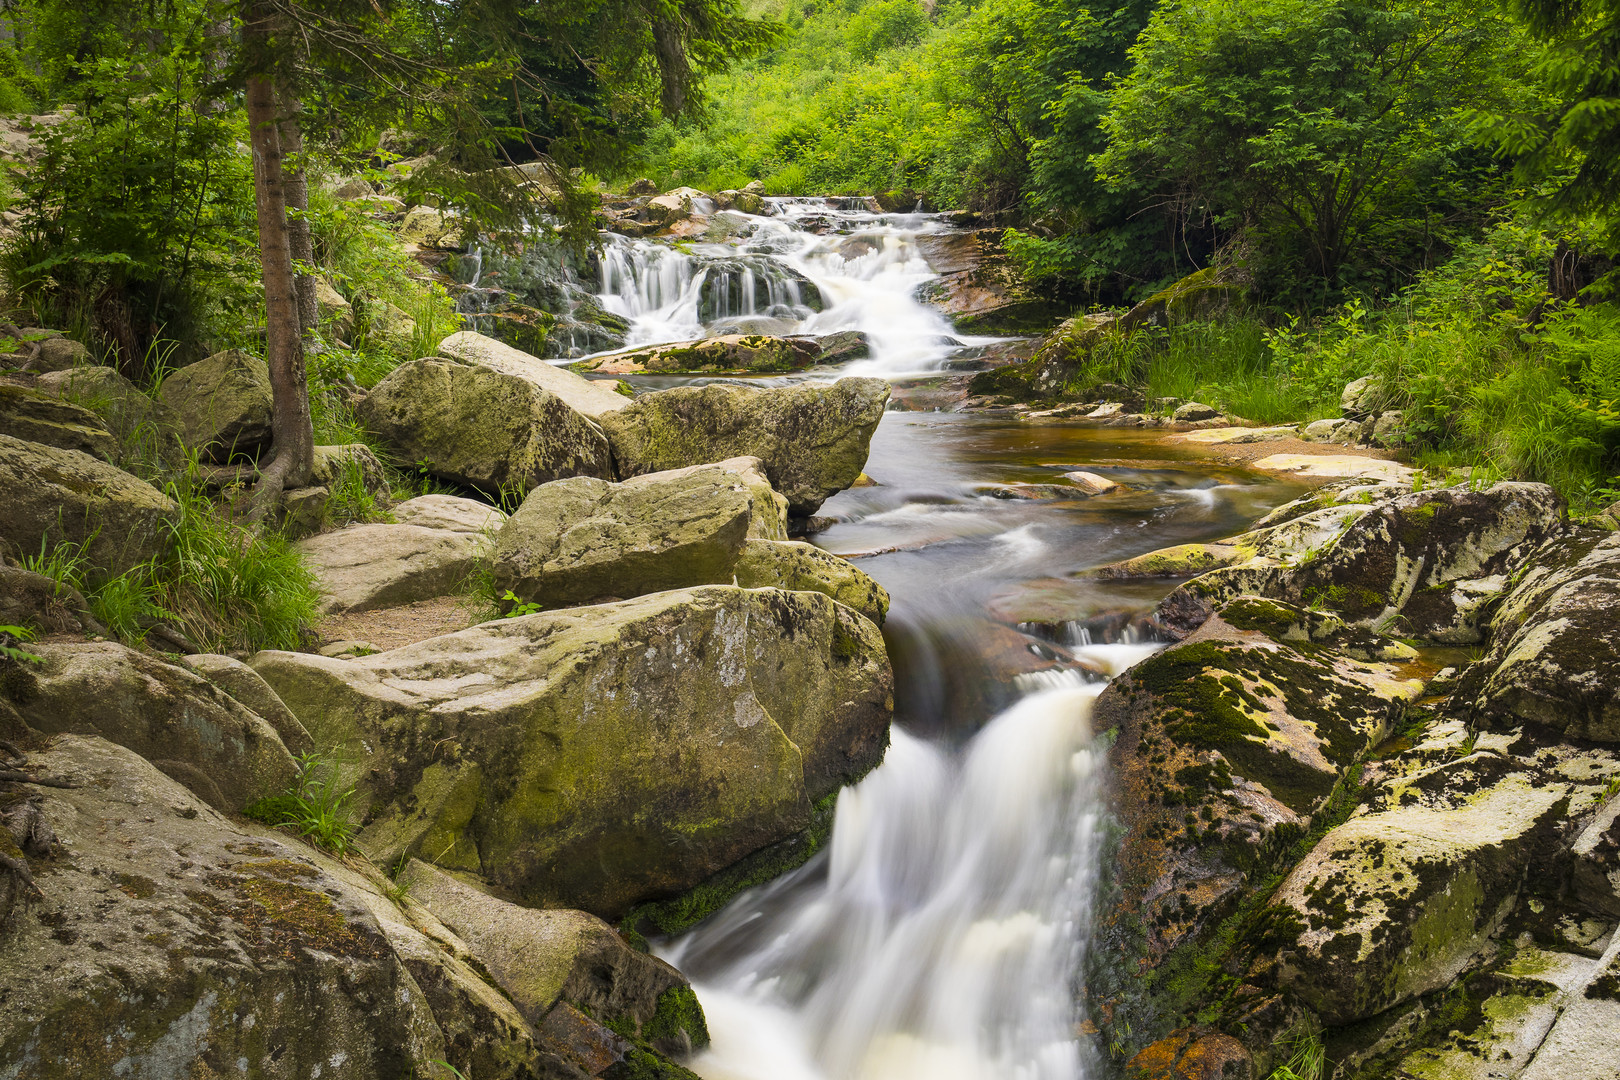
[[597, 757], [812, 440], [55, 496]]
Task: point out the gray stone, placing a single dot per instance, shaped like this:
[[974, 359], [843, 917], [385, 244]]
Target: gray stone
[[491, 429], [449, 512], [578, 540], [41, 418], [811, 440], [363, 567], [801, 567], [249, 688], [60, 354], [54, 496], [1195, 411], [222, 403], [1359, 397], [337, 465], [583, 395], [177, 719], [1344, 432]]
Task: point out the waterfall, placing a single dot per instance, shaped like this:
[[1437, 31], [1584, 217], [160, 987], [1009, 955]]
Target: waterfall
[[939, 936], [790, 271]]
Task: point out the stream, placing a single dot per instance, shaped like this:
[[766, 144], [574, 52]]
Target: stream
[[942, 932]]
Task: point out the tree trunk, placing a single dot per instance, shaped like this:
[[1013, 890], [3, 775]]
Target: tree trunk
[[292, 434], [297, 188]]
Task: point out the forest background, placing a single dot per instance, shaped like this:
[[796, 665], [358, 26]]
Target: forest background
[[1425, 191]]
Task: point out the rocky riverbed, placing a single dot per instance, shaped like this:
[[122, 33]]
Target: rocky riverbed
[[1107, 738]]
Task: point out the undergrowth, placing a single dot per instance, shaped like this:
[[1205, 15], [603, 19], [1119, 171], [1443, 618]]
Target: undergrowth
[[316, 806]]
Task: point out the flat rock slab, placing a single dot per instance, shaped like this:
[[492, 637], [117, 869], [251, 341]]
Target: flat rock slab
[[448, 512], [1335, 465], [374, 566], [1236, 435]]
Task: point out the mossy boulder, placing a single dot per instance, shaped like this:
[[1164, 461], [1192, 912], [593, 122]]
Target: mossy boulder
[[172, 941], [541, 958], [1227, 746], [350, 462], [812, 441], [136, 419], [727, 354], [54, 496], [222, 404], [489, 429], [801, 567], [1425, 564], [1401, 900], [41, 418], [364, 567], [1555, 643], [58, 353], [597, 757], [249, 688], [583, 539], [180, 721]]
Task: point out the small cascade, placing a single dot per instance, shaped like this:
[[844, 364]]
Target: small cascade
[[938, 937], [807, 266]]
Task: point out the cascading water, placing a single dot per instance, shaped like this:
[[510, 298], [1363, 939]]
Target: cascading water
[[940, 938], [941, 933], [811, 266]]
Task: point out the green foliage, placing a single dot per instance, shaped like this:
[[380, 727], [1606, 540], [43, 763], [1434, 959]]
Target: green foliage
[[884, 25], [1334, 129], [13, 636], [138, 216], [1567, 139], [316, 806], [516, 606], [1307, 1058]]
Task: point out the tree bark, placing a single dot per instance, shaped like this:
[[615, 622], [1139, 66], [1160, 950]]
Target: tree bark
[[292, 433], [297, 189]]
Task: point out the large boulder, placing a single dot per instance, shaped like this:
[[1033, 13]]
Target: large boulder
[[54, 496], [1228, 744], [541, 958], [583, 539], [584, 396], [223, 404], [493, 430], [1428, 564], [136, 418], [171, 942], [801, 567], [1555, 643], [363, 567], [40, 418], [596, 757], [812, 440], [249, 688], [58, 353], [349, 463], [1400, 901], [179, 720]]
